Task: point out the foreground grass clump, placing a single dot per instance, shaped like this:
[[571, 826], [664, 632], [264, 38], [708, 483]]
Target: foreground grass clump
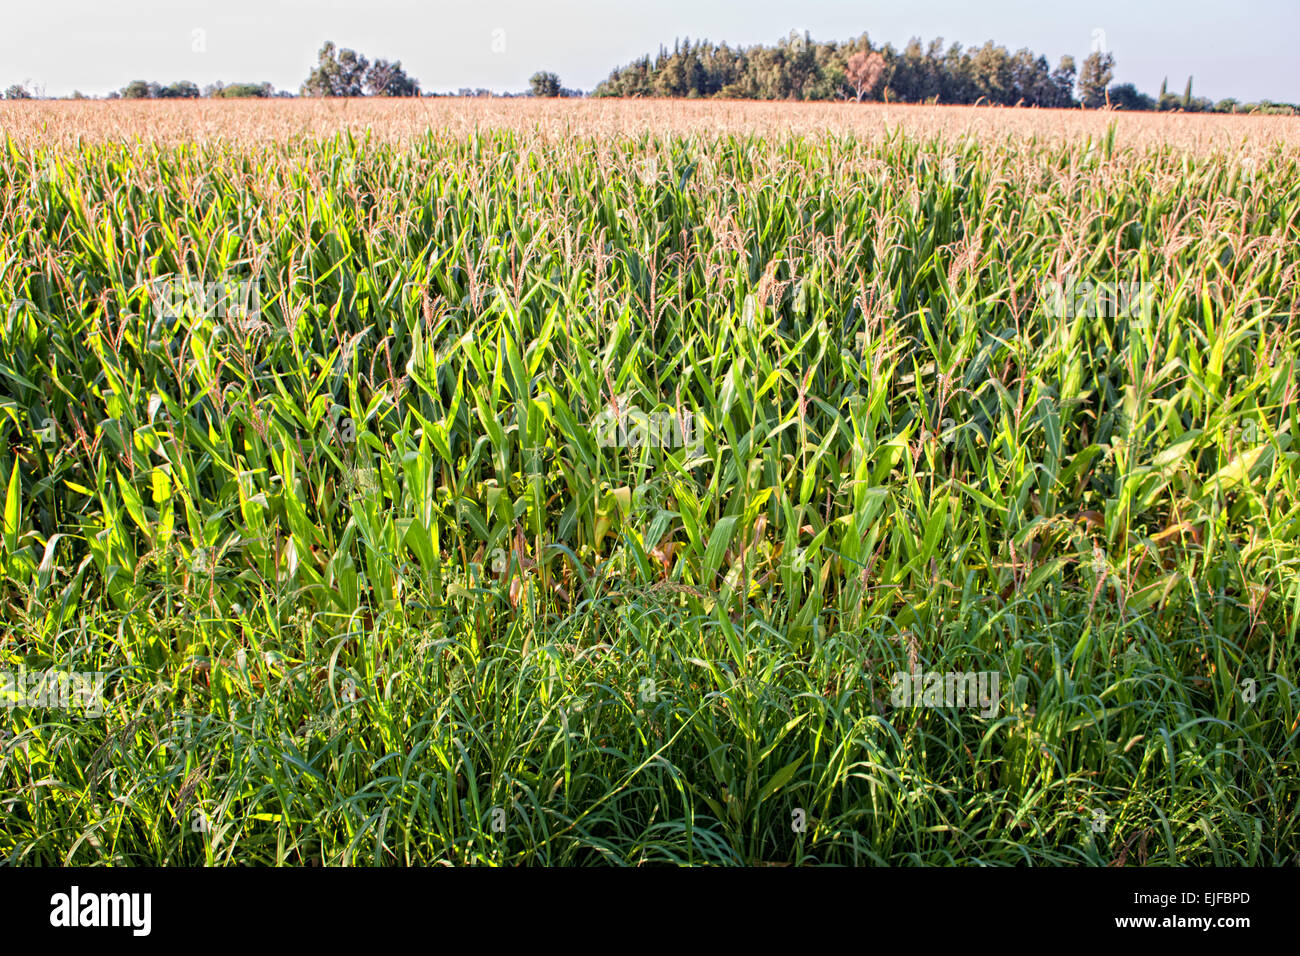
[[545, 501]]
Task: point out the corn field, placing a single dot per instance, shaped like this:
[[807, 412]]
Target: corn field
[[511, 495]]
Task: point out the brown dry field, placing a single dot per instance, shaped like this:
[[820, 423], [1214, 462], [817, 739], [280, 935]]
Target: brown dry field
[[66, 122]]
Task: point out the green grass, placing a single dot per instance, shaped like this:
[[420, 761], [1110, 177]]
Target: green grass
[[363, 576]]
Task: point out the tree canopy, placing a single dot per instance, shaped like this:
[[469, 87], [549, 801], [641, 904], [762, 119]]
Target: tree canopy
[[337, 73], [544, 83], [800, 68], [1095, 76]]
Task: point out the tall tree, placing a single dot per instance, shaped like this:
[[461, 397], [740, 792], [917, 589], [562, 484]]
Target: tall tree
[[1063, 80], [389, 79], [1031, 83], [545, 83], [957, 77], [800, 62], [864, 73], [340, 73], [992, 71], [1095, 77], [911, 79]]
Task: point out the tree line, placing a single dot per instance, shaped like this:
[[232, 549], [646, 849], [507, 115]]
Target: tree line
[[799, 68], [338, 72], [795, 68]]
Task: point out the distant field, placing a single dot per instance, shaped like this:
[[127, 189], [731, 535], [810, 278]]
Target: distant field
[[399, 120], [515, 482]]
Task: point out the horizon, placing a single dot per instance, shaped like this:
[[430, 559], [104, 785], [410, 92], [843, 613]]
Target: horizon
[[498, 46]]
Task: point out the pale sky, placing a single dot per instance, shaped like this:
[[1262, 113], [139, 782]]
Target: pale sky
[[1245, 49]]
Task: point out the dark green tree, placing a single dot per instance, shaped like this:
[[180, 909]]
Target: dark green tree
[[957, 77], [1125, 96], [1095, 76], [340, 73], [182, 90], [544, 83], [1063, 82], [992, 73], [389, 79], [800, 63], [1031, 80]]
